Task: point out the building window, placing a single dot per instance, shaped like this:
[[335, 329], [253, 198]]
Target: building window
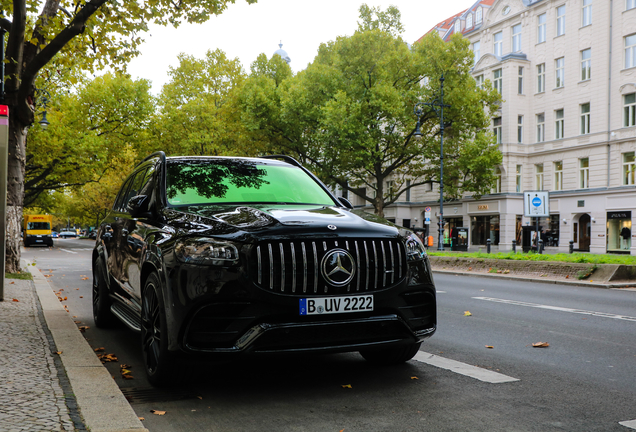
[[498, 80], [560, 22], [587, 12], [586, 64], [497, 129], [584, 173], [541, 78], [520, 81], [630, 51], [629, 169], [477, 51], [541, 28], [519, 178], [538, 176], [519, 129], [479, 81], [483, 228], [497, 186], [458, 26], [585, 119], [478, 15], [630, 110], [469, 20], [559, 65], [516, 38], [498, 47], [558, 124], [540, 127], [630, 4], [558, 175], [408, 191]]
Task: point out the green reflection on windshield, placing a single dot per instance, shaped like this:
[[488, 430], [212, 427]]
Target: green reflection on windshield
[[240, 181]]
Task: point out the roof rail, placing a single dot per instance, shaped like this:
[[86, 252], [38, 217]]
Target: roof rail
[[286, 158]]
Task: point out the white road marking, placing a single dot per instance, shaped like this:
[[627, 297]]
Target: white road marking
[[560, 309], [463, 368], [629, 423], [440, 292], [68, 251]]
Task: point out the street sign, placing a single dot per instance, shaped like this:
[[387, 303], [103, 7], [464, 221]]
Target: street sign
[[427, 209], [427, 221], [536, 203]]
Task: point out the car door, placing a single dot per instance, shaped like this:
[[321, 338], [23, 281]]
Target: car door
[[135, 230]]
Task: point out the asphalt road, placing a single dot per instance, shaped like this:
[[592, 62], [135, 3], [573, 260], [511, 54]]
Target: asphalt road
[[584, 381]]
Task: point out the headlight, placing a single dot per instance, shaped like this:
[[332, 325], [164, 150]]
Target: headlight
[[415, 249], [206, 251]]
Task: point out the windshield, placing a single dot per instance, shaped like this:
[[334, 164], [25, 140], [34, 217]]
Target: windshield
[[240, 182], [38, 226]]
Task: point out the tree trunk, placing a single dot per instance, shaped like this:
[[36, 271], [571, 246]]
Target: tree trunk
[[15, 192]]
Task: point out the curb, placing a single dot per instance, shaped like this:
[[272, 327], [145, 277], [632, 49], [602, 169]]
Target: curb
[[538, 280], [100, 401]]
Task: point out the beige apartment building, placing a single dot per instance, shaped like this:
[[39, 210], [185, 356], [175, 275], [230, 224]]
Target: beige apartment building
[[566, 70]]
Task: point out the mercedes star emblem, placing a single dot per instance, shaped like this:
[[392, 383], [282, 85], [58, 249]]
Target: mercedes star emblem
[[338, 267]]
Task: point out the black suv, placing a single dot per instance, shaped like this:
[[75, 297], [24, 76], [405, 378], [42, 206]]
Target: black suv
[[228, 255]]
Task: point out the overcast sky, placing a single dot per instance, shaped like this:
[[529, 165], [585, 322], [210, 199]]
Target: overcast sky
[[245, 31]]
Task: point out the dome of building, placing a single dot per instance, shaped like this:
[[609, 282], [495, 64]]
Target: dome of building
[[281, 52]]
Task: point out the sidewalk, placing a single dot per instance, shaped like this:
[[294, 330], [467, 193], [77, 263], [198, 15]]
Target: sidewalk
[[50, 378]]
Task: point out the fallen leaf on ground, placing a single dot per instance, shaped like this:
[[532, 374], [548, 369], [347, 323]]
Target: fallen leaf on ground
[[157, 412], [77, 322], [200, 397], [414, 377], [141, 418], [84, 278], [540, 345], [83, 328], [48, 275], [99, 349], [81, 296], [107, 357], [467, 313], [16, 300], [489, 346], [11, 283], [347, 386]]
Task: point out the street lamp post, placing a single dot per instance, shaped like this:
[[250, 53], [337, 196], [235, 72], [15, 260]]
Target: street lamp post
[[436, 105]]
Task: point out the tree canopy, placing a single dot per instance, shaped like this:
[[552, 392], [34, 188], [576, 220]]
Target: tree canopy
[[350, 114]]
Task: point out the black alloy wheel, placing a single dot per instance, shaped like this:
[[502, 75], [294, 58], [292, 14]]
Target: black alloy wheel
[[390, 356], [102, 315], [154, 335]]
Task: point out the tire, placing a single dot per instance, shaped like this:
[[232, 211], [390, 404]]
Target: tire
[[158, 361], [102, 315], [391, 356]]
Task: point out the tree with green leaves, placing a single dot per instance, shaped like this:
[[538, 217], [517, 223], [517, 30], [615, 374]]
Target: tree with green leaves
[[350, 114], [196, 112], [88, 129], [90, 35]]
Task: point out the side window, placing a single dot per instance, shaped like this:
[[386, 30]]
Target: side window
[[147, 184], [135, 187], [122, 195]]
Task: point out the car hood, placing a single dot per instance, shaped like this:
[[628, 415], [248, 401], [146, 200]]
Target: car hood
[[279, 219]]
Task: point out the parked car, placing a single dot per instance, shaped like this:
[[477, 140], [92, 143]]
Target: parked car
[[54, 234], [226, 256], [65, 233]]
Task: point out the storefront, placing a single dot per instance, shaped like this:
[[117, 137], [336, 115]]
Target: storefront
[[619, 231], [483, 228], [449, 224]]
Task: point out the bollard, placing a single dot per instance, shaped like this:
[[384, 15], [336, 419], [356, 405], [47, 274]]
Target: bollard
[[540, 246], [514, 246], [488, 246], [571, 246]]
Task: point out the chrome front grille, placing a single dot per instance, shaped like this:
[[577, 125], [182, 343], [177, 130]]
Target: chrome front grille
[[294, 267]]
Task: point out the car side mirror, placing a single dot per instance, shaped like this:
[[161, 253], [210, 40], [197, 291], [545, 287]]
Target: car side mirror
[[138, 205], [345, 202]]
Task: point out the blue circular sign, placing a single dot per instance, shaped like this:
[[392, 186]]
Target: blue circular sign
[[536, 201]]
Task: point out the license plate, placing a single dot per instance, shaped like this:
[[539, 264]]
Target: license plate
[[335, 305], [39, 241]]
